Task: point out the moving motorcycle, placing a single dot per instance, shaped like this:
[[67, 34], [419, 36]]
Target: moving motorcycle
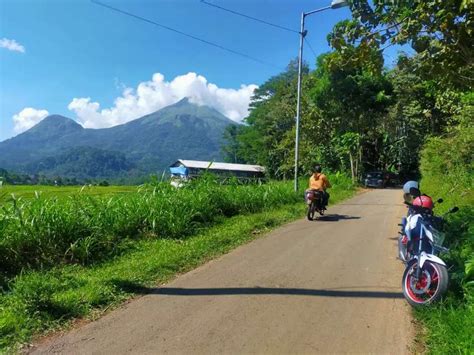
[[425, 279], [315, 203]]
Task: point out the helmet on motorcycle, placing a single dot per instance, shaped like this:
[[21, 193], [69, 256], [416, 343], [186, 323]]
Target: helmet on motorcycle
[[410, 185], [423, 201]]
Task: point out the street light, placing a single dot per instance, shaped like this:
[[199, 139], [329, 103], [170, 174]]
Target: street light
[[335, 4]]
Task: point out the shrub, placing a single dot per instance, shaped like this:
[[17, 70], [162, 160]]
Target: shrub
[[447, 168]]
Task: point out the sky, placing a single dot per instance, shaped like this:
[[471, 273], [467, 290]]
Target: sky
[[102, 68]]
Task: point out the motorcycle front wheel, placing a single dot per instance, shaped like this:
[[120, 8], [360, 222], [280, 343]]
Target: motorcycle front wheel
[[429, 288]]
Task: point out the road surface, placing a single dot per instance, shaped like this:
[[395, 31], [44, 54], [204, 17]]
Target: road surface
[[327, 286]]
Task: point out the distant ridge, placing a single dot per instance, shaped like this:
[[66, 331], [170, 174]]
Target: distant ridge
[[139, 147]]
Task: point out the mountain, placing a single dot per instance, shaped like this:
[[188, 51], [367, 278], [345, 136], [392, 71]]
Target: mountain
[[59, 146]]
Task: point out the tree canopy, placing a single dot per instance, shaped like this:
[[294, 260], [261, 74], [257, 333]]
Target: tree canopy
[[356, 114]]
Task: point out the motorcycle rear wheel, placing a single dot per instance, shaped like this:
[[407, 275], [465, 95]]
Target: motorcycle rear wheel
[[431, 286], [311, 210]]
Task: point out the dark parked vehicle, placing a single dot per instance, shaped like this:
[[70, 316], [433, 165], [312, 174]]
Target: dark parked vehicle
[[379, 179]]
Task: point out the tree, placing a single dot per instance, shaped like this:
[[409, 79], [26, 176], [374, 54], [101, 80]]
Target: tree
[[352, 100], [232, 145], [268, 135], [440, 31], [349, 144]]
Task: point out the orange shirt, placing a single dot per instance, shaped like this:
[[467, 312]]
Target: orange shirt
[[319, 182]]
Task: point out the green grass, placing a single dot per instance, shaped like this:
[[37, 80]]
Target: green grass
[[45, 231], [448, 172], [38, 301], [450, 327], [31, 191]]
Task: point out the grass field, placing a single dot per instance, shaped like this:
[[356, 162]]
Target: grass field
[[31, 191], [70, 258]]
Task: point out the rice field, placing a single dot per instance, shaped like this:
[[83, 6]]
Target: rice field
[[31, 191]]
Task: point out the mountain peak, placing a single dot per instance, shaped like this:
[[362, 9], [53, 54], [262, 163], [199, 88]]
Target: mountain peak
[[54, 125], [183, 101], [183, 108], [57, 122]]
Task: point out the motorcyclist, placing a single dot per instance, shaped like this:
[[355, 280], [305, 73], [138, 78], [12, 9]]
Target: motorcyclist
[[319, 182]]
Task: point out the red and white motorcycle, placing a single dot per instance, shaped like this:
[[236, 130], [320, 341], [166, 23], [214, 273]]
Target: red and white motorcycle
[[425, 279]]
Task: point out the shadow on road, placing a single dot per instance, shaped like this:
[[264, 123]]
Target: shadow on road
[[371, 204], [273, 291], [132, 287], [334, 217]]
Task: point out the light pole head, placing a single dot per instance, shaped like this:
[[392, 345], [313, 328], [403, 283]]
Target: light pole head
[[336, 4]]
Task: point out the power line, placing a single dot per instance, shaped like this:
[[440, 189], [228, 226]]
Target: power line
[[249, 17], [310, 47], [261, 21], [123, 12]]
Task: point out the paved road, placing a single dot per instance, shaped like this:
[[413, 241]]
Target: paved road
[[327, 286]]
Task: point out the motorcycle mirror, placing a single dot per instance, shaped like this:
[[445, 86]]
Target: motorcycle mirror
[[454, 209], [440, 200], [415, 192]]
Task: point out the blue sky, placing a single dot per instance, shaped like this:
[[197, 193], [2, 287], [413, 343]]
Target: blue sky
[[76, 49]]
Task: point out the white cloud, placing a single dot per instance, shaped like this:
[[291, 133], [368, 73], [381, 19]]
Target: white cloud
[[153, 95], [11, 45], [27, 118]]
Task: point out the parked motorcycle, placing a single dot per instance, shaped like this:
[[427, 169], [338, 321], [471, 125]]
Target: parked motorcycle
[[315, 203], [425, 279], [405, 246]]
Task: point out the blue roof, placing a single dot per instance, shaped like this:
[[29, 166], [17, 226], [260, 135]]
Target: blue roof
[[180, 170]]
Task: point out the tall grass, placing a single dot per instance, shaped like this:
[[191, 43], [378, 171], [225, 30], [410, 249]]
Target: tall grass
[[41, 232]]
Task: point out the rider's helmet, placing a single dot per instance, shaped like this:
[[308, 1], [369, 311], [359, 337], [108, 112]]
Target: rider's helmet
[[317, 168], [423, 201], [410, 185]]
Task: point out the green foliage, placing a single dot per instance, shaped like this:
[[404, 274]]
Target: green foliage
[[336, 100], [448, 171], [440, 31], [268, 137], [82, 163], [450, 326]]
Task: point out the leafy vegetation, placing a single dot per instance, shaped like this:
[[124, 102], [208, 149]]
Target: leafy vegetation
[[357, 115], [448, 171], [69, 257]]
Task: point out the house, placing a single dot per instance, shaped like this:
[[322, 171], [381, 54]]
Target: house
[[186, 169]]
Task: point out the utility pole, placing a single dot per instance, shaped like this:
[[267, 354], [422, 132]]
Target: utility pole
[[335, 4], [298, 99]]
